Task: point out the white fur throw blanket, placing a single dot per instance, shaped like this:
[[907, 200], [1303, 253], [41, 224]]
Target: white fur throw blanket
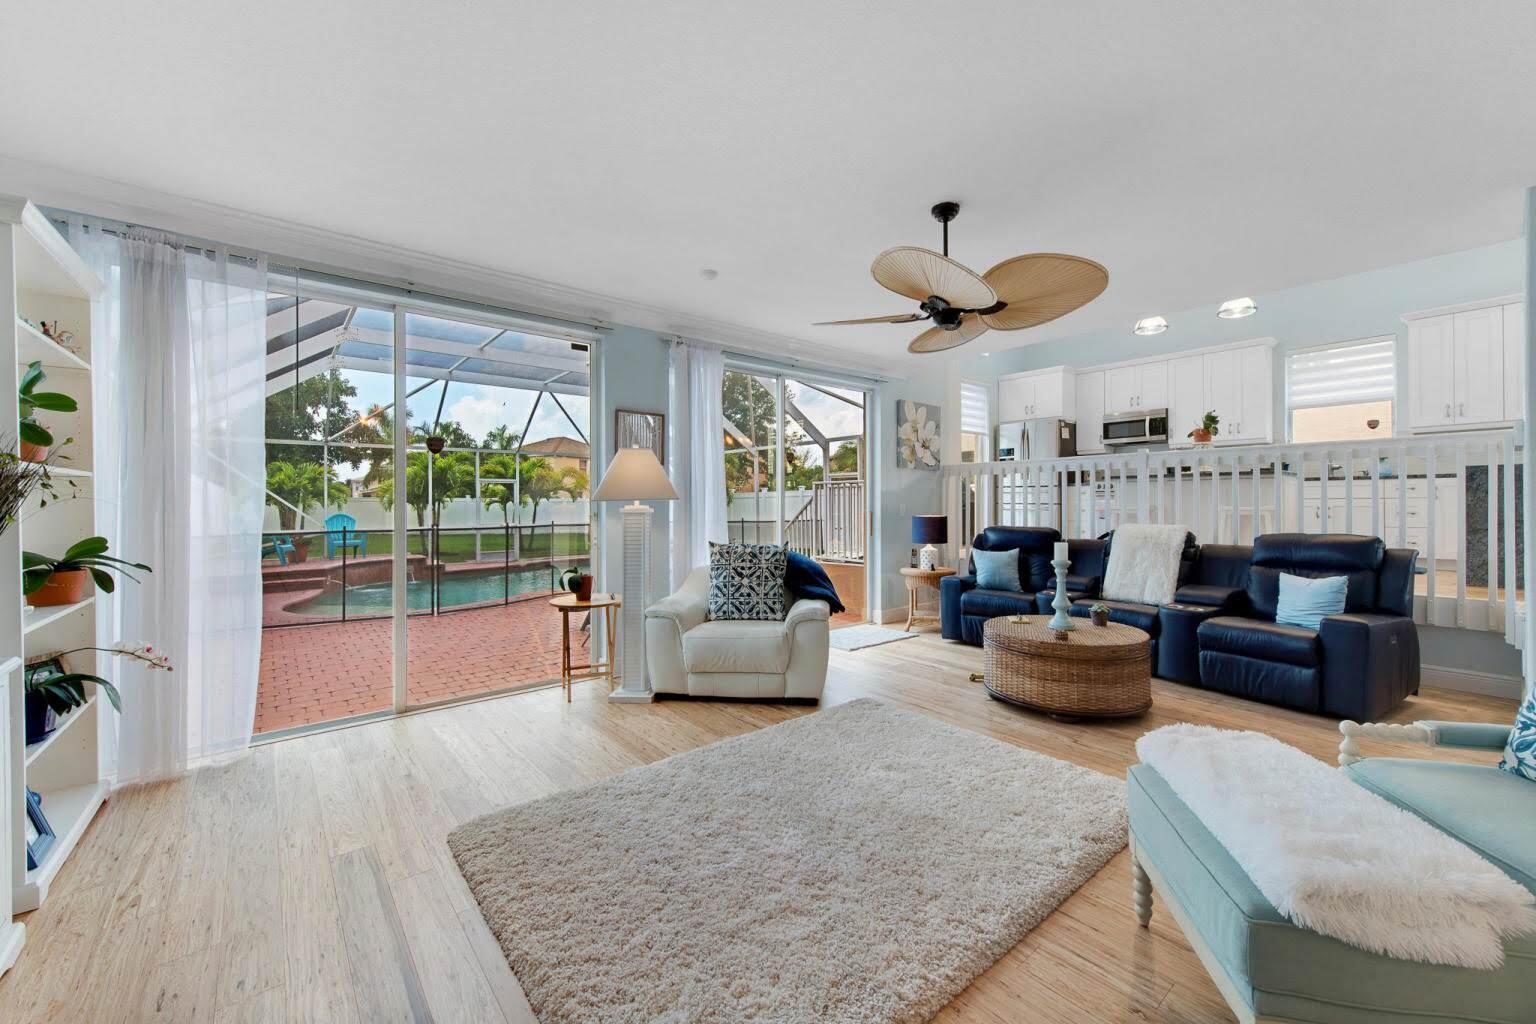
[[1144, 564], [1336, 858]]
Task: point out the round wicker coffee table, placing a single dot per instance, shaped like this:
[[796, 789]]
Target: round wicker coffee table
[[1096, 672]]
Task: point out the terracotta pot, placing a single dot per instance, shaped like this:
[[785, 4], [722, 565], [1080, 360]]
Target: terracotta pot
[[300, 552], [1099, 618], [68, 587], [1201, 436], [584, 588], [33, 452]]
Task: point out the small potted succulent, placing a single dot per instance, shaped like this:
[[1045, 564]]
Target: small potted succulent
[[47, 581], [1208, 428], [35, 438], [1099, 614], [578, 583]]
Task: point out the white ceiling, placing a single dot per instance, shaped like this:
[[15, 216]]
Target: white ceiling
[[1199, 150]]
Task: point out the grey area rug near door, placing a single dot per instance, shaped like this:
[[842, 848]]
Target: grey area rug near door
[[857, 865]]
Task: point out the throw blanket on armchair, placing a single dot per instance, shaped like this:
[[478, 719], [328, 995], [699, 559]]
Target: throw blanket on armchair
[[1144, 564], [1336, 858]]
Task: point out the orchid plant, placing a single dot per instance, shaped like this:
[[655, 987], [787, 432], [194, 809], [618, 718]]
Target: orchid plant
[[66, 691]]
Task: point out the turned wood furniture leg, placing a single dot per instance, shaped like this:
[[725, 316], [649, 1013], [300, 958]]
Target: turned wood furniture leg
[[1141, 891]]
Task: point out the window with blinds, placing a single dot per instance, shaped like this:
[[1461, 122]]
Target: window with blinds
[[975, 421], [1342, 392]]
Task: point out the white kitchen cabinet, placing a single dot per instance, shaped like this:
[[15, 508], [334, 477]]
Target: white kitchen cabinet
[[1255, 418], [1090, 412], [1136, 387], [1120, 384], [1015, 399], [1153, 393], [1431, 373], [1029, 396], [1224, 390], [1477, 337], [1186, 397], [1466, 367], [1514, 361]]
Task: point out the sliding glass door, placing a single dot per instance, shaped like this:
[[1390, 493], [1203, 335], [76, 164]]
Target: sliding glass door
[[427, 481], [796, 473]]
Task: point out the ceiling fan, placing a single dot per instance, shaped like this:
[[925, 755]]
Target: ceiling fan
[[1025, 291]]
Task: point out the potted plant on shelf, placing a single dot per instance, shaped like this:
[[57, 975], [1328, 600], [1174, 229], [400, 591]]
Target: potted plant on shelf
[[578, 583], [1207, 429], [35, 438], [1099, 614], [52, 692], [64, 580]]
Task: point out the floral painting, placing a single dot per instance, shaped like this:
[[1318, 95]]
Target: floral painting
[[917, 435]]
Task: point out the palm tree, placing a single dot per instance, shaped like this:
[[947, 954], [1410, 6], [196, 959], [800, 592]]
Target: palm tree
[[299, 486], [453, 476], [502, 438], [547, 481]]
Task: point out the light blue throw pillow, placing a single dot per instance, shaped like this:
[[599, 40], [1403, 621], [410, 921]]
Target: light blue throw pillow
[[997, 570], [1520, 752], [1304, 602]]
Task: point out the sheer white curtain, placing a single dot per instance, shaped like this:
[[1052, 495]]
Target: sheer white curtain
[[695, 453], [179, 368]]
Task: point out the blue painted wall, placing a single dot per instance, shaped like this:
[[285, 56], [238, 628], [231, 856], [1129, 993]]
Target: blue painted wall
[[1358, 306]]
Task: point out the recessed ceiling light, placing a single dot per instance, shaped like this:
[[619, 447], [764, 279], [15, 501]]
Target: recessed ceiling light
[[1151, 325], [1236, 309], [709, 273]]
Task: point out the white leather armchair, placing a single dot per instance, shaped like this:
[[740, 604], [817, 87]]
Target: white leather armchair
[[688, 652]]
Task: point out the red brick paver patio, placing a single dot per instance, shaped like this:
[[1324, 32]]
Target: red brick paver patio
[[332, 670], [337, 669]]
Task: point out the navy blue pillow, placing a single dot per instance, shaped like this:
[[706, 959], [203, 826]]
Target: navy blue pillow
[[805, 578]]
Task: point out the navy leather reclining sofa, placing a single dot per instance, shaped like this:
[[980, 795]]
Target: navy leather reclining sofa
[[1220, 631]]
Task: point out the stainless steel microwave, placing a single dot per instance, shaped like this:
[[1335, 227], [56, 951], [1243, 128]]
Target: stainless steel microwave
[[1147, 427]]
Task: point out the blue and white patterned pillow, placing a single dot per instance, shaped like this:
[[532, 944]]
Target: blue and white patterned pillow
[[1520, 752], [746, 581]]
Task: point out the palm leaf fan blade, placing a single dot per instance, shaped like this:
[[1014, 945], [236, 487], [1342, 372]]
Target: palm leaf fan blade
[[1042, 286], [936, 339], [919, 273]]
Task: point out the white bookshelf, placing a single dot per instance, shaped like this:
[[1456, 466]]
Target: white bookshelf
[[41, 278]]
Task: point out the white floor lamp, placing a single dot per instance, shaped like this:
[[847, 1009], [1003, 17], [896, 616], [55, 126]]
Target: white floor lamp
[[635, 476]]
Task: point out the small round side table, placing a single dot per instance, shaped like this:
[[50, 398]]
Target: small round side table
[[565, 604], [916, 580]]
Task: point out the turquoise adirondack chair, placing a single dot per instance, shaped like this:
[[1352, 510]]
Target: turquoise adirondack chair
[[341, 535], [280, 545]]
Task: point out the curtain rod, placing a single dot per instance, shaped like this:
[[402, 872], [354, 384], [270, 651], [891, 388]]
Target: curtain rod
[[209, 247]]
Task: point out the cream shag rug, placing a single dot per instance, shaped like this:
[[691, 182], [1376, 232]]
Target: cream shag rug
[[859, 864]]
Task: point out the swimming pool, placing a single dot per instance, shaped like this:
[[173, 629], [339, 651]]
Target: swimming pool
[[455, 590]]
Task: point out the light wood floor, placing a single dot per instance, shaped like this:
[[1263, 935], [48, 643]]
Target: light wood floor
[[310, 880]]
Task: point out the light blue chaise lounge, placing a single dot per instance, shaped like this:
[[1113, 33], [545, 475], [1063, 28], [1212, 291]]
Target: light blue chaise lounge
[[1270, 970]]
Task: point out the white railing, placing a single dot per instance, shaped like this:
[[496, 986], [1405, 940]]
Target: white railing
[[1413, 492]]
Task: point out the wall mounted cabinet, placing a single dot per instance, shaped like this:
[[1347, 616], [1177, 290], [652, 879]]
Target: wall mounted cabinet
[[1466, 366], [1136, 387], [1040, 393]]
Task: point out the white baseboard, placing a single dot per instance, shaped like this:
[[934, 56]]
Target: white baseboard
[[1486, 683]]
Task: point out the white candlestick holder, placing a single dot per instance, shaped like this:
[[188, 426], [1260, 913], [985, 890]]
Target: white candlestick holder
[[1062, 620]]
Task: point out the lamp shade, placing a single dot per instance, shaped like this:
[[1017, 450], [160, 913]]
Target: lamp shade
[[930, 529], [634, 475]]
